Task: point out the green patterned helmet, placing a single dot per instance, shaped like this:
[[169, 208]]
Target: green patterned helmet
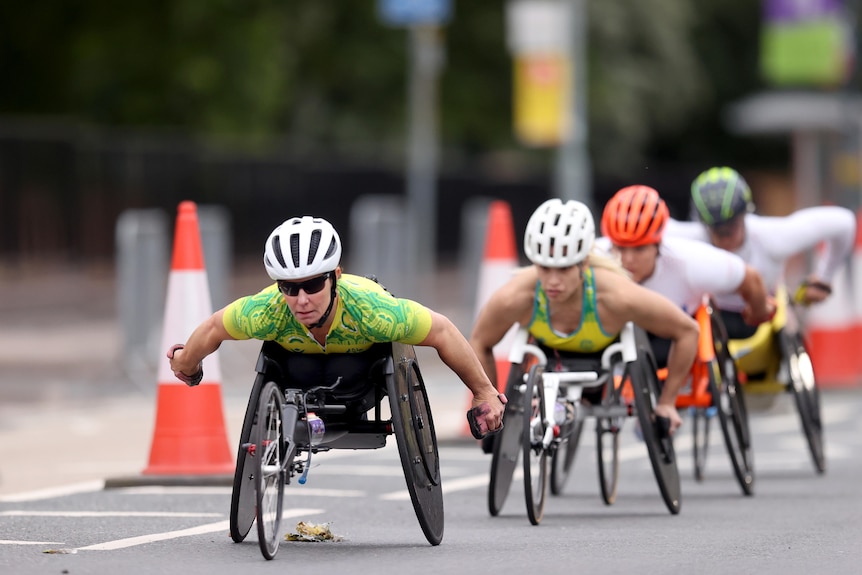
[[719, 195]]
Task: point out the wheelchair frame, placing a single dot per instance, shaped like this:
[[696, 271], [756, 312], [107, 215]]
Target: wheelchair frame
[[531, 426], [276, 432]]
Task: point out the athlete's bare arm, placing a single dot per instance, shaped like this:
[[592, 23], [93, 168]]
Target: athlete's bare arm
[[759, 307], [512, 303], [204, 340]]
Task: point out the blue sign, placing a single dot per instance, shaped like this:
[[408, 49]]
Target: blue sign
[[414, 12]]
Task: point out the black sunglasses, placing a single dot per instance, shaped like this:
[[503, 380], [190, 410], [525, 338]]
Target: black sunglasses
[[311, 286]]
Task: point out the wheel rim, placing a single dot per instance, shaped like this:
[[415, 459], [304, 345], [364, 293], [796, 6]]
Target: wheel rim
[[535, 456], [507, 445], [269, 450]]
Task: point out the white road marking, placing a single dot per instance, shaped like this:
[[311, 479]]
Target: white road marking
[[199, 530], [8, 542], [21, 513], [290, 491], [86, 487]]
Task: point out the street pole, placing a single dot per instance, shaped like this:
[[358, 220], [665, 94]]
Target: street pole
[[573, 169], [426, 57]]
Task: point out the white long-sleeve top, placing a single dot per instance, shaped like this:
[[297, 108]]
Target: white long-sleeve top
[[771, 241], [686, 270]]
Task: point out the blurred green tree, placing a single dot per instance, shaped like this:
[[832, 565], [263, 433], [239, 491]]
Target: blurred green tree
[[328, 75]]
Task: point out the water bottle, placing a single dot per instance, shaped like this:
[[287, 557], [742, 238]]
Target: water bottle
[[316, 429]]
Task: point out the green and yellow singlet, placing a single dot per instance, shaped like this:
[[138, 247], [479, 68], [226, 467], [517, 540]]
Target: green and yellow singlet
[[589, 336], [366, 314]]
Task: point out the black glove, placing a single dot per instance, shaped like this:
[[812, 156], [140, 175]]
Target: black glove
[[190, 380]]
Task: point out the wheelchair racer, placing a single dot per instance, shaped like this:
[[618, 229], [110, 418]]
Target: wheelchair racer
[[326, 319], [682, 270], [724, 206], [576, 303]]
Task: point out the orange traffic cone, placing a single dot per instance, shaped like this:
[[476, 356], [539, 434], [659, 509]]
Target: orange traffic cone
[[831, 335], [500, 260], [189, 436]]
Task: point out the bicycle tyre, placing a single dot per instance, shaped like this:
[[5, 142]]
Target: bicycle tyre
[[729, 400], [535, 455], [660, 449], [564, 457], [414, 431], [507, 443], [270, 470], [243, 499], [700, 441], [608, 444], [807, 397]]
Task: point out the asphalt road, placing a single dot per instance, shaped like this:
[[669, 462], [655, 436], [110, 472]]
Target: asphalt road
[[796, 522]]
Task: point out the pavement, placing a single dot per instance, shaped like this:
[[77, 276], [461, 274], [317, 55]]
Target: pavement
[[71, 412]]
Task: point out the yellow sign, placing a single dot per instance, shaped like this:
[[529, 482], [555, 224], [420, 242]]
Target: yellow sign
[[542, 84]]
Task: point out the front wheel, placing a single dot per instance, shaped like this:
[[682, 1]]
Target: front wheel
[[269, 454], [535, 454], [807, 395]]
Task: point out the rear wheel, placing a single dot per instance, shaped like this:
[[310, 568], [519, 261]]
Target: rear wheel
[[807, 395], [535, 455], [658, 442], [728, 398], [417, 441], [243, 499], [270, 470], [507, 443], [564, 456]]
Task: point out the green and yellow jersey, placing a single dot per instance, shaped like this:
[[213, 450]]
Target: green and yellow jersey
[[589, 337], [365, 314]]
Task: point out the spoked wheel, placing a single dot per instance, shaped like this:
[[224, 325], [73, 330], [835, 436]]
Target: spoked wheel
[[417, 441], [807, 394], [700, 440], [608, 441], [728, 398], [507, 443], [659, 443], [564, 456], [269, 452], [535, 455], [243, 500]]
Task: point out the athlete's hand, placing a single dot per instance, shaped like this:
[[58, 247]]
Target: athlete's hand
[[486, 416], [812, 291], [190, 380], [752, 318], [670, 412]]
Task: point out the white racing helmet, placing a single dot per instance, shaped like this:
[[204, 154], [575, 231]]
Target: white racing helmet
[[559, 234], [301, 248]]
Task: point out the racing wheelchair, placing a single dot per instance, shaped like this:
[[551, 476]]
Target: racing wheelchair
[[775, 360], [545, 415], [715, 390], [285, 425]]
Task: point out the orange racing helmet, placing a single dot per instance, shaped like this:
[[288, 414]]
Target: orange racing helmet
[[635, 216]]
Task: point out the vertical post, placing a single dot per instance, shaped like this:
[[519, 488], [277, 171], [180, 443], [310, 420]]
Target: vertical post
[[573, 171], [425, 64]]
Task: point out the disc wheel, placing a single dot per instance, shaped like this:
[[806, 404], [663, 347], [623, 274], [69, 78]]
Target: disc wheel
[[243, 501], [270, 469], [507, 443], [564, 456], [417, 441], [700, 440], [608, 442], [807, 396], [659, 445], [535, 455]]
